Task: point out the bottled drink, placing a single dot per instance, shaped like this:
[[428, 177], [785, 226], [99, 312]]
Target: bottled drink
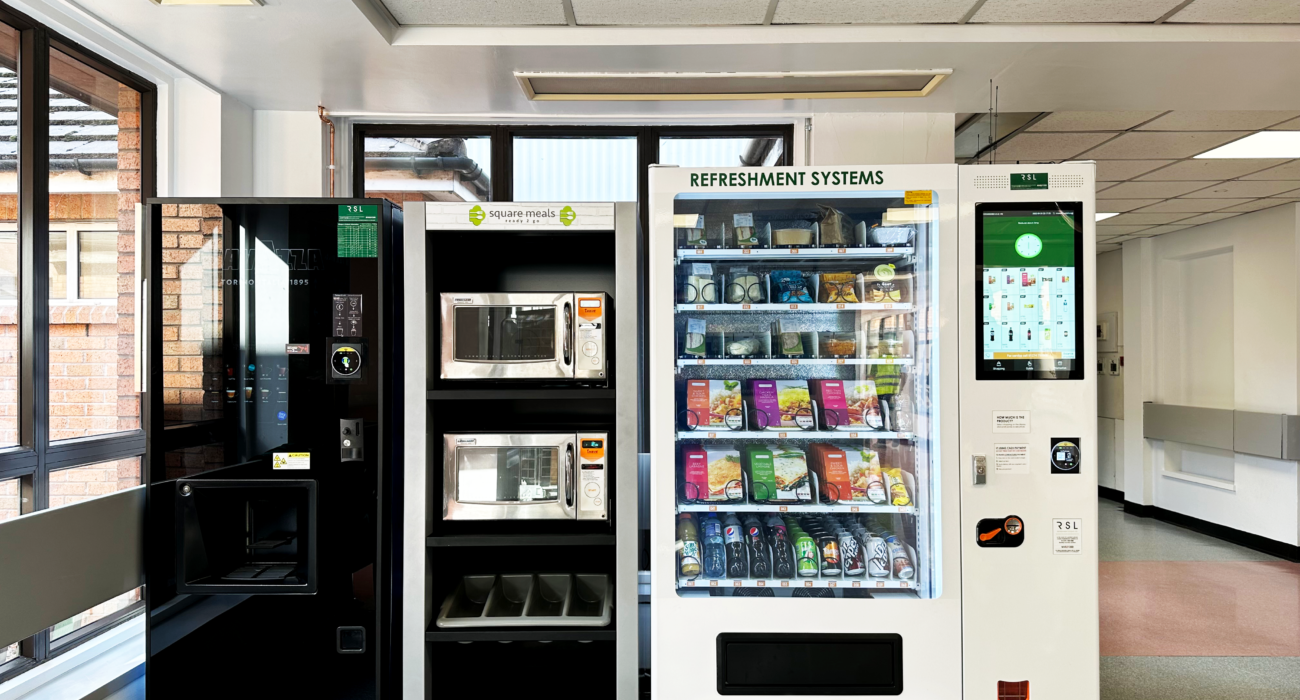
[[783, 560], [851, 554], [734, 542], [688, 535], [760, 561], [715, 555], [902, 416]]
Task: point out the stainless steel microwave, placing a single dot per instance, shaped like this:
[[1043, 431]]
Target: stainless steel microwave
[[525, 476], [535, 335]]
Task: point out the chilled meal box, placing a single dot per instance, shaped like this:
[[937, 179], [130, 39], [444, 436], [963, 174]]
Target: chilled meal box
[[863, 405], [778, 474], [711, 474], [866, 480], [714, 403], [830, 464]]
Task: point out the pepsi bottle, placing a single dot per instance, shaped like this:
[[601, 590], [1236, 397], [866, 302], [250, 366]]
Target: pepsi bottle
[[760, 561], [733, 538]]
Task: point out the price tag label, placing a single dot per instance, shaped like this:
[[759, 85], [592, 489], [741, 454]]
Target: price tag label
[[794, 251], [903, 584], [761, 583], [785, 584], [853, 509], [781, 435], [880, 584], [839, 362], [794, 307], [746, 362], [690, 584], [699, 362], [794, 362], [713, 509], [831, 584], [807, 584], [889, 249], [784, 509], [883, 306], [841, 251], [699, 307], [712, 435], [746, 251], [699, 251], [857, 584], [853, 435], [737, 584], [746, 307]]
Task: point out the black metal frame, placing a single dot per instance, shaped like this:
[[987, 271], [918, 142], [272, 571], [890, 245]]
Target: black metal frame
[[503, 181], [34, 458]]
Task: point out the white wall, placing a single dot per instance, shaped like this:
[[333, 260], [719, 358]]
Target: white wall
[[1110, 388], [236, 148], [289, 154], [883, 138], [1211, 320]]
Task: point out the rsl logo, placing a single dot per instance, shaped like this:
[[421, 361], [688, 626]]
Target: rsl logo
[[476, 215]]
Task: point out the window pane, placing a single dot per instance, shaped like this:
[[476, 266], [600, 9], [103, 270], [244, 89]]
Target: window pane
[[97, 265], [96, 613], [94, 187], [8, 236], [11, 503], [720, 152], [9, 654], [575, 169], [404, 168], [68, 486]]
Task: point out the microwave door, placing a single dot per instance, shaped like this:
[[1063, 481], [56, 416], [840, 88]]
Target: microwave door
[[507, 336], [508, 477]]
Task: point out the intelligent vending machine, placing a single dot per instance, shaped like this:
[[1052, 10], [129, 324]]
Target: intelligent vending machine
[[849, 492]]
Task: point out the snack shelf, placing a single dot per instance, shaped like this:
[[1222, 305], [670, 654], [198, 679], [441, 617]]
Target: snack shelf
[[847, 582], [794, 361], [728, 507], [800, 253], [860, 306], [792, 434]]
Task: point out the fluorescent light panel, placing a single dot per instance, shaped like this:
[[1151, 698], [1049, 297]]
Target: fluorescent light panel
[[1265, 144], [208, 2], [730, 86], [1107, 215]]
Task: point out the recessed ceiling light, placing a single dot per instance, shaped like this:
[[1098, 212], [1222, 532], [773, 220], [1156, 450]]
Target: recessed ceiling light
[[1265, 144], [207, 2], [1107, 215]]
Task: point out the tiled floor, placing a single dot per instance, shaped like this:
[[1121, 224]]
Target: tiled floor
[[1185, 616]]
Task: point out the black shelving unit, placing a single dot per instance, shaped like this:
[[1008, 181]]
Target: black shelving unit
[[521, 541], [556, 394], [534, 634]]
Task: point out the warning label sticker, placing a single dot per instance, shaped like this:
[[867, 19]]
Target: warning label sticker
[[291, 460]]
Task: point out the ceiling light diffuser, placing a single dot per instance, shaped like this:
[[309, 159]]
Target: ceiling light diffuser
[[207, 2], [1265, 144], [1107, 215]]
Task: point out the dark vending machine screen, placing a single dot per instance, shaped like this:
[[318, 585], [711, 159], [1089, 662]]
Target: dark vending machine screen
[[1030, 275]]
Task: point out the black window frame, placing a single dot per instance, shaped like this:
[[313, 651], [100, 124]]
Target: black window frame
[[36, 457]]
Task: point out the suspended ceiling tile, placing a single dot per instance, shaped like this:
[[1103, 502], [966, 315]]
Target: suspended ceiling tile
[[1140, 219], [1119, 206], [1122, 230], [1115, 170], [1259, 204], [1143, 145], [1246, 188], [1092, 121], [1240, 12], [1048, 147], [1293, 125], [867, 11], [1193, 206], [1208, 218], [1289, 171], [483, 13], [669, 12], [1151, 190], [1213, 169], [1217, 121], [1031, 11], [1158, 230]]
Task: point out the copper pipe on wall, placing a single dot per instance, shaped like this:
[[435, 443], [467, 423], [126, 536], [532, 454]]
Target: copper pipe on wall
[[321, 111]]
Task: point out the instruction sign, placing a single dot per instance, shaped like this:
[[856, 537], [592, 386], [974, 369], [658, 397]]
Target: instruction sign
[[358, 230], [1011, 458], [1011, 421]]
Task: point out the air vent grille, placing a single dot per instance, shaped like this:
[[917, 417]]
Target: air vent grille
[[992, 182], [1059, 181], [730, 86]]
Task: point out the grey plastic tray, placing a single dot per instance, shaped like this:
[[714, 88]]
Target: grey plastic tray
[[529, 600]]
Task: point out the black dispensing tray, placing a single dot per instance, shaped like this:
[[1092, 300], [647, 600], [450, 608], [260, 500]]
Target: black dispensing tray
[[529, 600]]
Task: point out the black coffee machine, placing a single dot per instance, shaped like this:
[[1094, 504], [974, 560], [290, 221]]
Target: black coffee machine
[[273, 360]]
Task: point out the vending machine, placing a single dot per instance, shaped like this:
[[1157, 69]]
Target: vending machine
[[834, 509]]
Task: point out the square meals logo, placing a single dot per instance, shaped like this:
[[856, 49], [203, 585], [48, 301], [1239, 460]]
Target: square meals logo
[[527, 216]]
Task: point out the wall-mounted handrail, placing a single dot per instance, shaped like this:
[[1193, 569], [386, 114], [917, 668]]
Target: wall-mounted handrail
[[1275, 435]]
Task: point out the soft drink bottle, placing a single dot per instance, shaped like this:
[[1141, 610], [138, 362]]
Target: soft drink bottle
[[851, 554], [715, 555], [783, 562], [734, 542], [760, 561], [689, 563]]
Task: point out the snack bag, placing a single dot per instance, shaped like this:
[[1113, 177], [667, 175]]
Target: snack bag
[[838, 288], [898, 494], [789, 287]]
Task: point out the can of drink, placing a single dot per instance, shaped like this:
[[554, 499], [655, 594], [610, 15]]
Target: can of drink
[[830, 551], [806, 550], [902, 563], [877, 556], [851, 554]]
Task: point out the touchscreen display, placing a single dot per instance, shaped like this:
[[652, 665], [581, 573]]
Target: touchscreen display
[[1031, 284]]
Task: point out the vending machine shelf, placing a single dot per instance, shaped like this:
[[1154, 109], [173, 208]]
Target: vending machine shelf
[[860, 582], [785, 361], [877, 253], [768, 308], [793, 508], [694, 435]]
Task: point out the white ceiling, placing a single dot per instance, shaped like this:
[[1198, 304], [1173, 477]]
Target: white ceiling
[[478, 12], [1146, 172]]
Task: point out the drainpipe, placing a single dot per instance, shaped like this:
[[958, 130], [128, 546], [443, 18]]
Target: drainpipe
[[321, 111]]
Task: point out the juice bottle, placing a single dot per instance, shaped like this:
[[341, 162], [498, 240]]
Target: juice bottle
[[688, 535]]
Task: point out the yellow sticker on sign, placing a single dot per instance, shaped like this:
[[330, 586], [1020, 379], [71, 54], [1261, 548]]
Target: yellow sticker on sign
[[291, 460], [918, 197]]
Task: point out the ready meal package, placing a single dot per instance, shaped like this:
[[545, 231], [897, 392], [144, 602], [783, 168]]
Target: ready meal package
[[795, 403], [695, 473], [863, 405], [829, 395], [781, 472], [715, 403], [830, 464], [724, 473], [867, 481]]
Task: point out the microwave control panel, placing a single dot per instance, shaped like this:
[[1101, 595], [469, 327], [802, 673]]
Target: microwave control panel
[[593, 465], [589, 335]]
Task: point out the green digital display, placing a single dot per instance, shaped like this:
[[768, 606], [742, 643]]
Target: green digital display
[[1029, 238]]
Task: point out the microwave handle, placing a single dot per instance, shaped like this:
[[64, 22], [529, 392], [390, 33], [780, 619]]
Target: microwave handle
[[569, 477], [568, 333]]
